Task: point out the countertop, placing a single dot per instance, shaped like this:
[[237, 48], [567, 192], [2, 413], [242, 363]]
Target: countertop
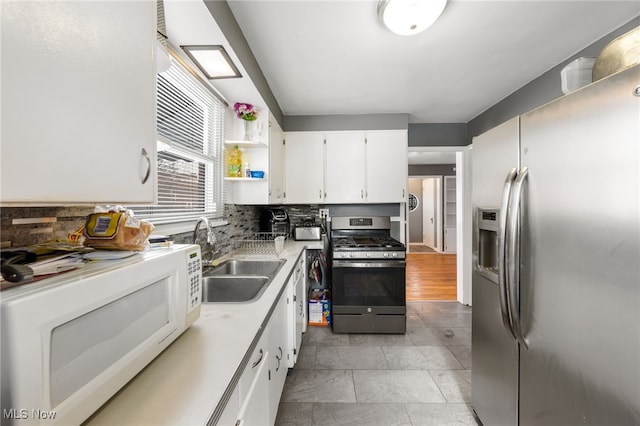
[[185, 383]]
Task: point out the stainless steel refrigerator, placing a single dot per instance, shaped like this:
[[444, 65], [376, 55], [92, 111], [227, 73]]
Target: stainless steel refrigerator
[[556, 280]]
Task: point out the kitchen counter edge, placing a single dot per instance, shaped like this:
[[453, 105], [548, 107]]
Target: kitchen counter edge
[[190, 382]]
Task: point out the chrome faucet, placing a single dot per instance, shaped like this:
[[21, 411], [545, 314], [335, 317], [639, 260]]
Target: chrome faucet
[[211, 238]]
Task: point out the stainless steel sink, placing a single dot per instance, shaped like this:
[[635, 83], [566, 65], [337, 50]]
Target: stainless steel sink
[[238, 280], [233, 288], [268, 268]]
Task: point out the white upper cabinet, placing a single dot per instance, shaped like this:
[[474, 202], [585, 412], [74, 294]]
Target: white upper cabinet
[[345, 168], [276, 163], [265, 154], [304, 168], [359, 167], [78, 102], [387, 166]]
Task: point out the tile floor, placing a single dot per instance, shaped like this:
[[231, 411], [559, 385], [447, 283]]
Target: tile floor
[[420, 378]]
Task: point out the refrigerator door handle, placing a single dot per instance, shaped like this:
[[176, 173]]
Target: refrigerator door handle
[[513, 255], [502, 251]]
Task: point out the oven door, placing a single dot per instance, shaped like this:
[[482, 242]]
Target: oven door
[[369, 284]]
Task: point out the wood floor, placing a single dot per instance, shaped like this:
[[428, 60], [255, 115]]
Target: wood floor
[[431, 276]]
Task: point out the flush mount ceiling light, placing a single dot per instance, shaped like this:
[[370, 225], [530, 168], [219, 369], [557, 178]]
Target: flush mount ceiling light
[[213, 61], [409, 17]]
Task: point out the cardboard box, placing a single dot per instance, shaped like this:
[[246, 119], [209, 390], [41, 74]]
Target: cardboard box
[[319, 308]]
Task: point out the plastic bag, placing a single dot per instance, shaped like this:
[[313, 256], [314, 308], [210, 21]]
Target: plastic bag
[[116, 230]]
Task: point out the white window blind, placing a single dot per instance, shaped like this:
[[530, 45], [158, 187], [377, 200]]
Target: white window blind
[[190, 124]]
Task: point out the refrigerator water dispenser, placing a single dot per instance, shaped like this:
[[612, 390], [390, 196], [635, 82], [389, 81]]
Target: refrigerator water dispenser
[[487, 243]]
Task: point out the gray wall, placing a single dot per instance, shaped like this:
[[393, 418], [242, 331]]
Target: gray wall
[[538, 92], [310, 123], [415, 217], [438, 134], [432, 170], [222, 14]]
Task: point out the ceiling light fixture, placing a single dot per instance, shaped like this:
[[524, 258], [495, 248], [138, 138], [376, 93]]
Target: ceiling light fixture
[[409, 17], [213, 61]]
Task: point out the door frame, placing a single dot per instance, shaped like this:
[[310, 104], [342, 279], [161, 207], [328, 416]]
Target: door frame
[[464, 216], [437, 211]]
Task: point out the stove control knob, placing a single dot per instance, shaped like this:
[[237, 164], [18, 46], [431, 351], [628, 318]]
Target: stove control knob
[[368, 254], [369, 309], [385, 254], [395, 254]]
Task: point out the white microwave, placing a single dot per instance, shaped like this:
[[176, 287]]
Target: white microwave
[[71, 342]]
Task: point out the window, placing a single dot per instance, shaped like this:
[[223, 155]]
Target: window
[[190, 124]]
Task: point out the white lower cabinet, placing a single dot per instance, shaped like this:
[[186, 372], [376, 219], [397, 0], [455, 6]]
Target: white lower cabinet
[[257, 396], [230, 414], [450, 239], [254, 387], [279, 347], [297, 311]]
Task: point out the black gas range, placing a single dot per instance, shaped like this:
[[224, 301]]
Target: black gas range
[[368, 276]]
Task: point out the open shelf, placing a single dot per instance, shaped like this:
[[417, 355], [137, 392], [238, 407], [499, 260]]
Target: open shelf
[[246, 144], [244, 179]]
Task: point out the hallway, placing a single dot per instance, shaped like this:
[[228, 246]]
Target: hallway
[[431, 276]]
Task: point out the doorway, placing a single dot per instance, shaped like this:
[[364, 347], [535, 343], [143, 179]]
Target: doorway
[[423, 163], [425, 211]]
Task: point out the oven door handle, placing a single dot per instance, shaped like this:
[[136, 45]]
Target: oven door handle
[[385, 264]]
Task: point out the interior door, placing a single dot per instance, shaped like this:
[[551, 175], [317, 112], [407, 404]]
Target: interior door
[[429, 212]]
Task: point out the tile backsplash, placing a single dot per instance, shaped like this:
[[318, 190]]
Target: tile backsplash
[[24, 226]]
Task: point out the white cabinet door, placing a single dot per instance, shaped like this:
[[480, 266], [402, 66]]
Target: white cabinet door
[[450, 239], [78, 102], [276, 162], [300, 306], [296, 311], [278, 349], [304, 168], [254, 386], [387, 166], [345, 175]]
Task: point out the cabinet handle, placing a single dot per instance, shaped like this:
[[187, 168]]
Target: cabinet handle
[[403, 193], [361, 193], [320, 194], [279, 358], [255, 364], [145, 154]]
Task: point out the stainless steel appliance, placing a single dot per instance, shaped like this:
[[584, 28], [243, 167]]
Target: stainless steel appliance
[[368, 276], [275, 221], [556, 283], [307, 233]]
